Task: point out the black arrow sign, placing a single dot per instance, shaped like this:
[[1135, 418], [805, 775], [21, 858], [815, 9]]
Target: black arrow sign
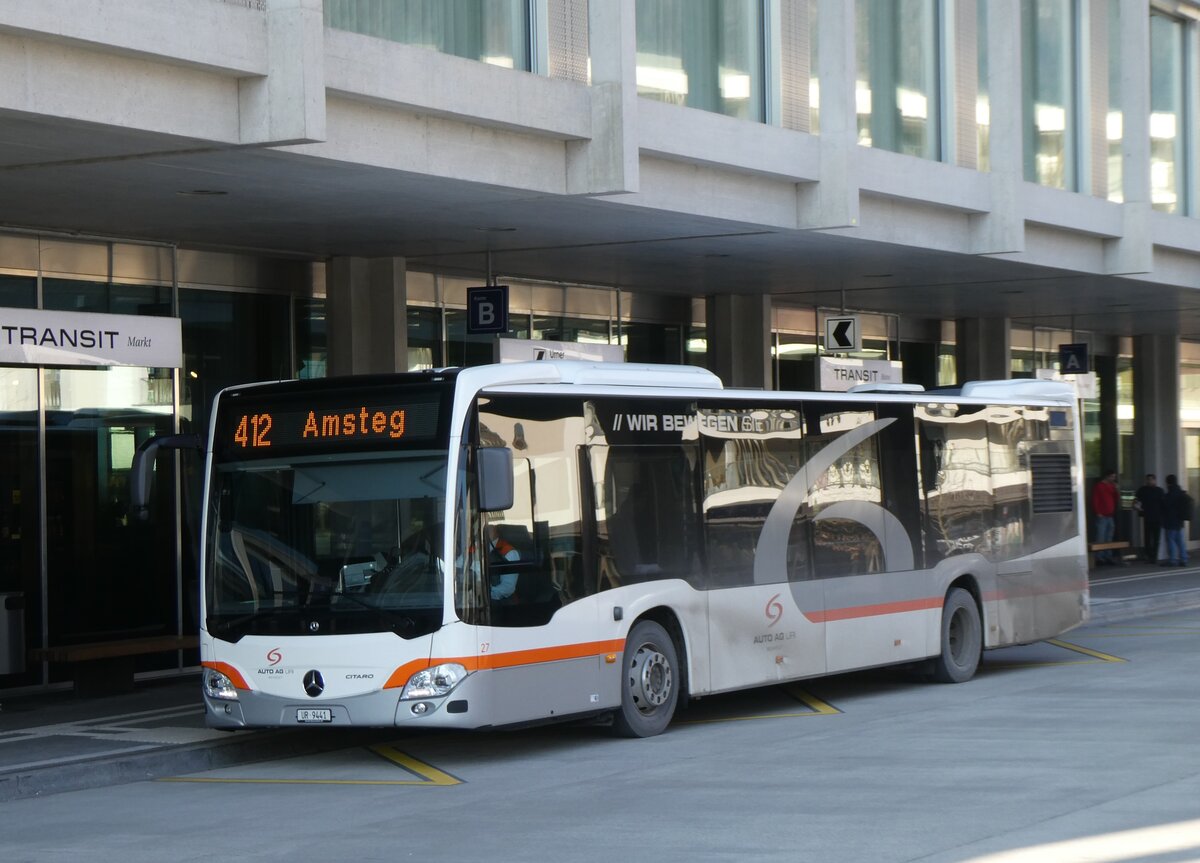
[[840, 337]]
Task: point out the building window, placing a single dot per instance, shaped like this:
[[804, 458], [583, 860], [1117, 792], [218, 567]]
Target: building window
[[424, 338], [983, 101], [1115, 121], [1166, 113], [491, 31], [312, 343], [1048, 34], [896, 91], [705, 54]]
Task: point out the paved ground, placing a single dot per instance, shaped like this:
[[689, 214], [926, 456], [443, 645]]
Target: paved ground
[[57, 742]]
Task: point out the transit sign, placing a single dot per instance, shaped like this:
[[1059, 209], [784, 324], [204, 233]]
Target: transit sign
[[842, 335], [487, 309], [839, 375]]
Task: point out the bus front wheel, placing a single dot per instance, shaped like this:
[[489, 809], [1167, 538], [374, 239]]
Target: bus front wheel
[[962, 639], [649, 682]]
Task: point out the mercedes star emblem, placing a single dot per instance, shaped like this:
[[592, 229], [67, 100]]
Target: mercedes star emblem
[[314, 684]]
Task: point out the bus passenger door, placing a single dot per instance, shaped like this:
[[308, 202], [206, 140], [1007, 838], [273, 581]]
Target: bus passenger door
[[534, 640]]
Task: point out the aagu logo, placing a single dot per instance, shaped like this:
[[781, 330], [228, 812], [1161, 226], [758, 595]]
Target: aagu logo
[[274, 657]]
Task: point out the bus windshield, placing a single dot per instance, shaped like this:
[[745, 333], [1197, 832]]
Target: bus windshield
[[319, 546]]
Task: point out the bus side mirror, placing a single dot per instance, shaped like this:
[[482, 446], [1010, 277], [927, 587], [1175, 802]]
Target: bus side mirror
[[142, 470], [494, 472]]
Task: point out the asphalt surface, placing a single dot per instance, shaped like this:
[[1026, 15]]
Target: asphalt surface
[[52, 742]]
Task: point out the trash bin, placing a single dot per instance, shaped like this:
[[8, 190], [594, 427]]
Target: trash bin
[[12, 633]]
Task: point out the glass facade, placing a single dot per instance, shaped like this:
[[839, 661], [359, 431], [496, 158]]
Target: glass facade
[[1167, 117], [896, 92], [1049, 91], [1114, 123], [983, 102], [491, 31], [88, 568], [705, 54]]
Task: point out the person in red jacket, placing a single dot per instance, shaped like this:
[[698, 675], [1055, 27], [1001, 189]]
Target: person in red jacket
[[1106, 497]]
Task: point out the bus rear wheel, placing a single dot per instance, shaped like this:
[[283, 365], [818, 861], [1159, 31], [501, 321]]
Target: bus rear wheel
[[649, 682], [962, 639]]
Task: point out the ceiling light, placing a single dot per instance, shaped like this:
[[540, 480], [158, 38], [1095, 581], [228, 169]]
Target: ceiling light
[[201, 193]]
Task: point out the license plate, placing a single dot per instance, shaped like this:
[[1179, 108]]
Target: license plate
[[306, 714]]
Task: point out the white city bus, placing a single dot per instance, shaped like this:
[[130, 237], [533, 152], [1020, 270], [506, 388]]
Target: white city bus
[[528, 542]]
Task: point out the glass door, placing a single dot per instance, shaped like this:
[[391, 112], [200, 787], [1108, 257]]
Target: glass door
[[109, 574], [1191, 478]]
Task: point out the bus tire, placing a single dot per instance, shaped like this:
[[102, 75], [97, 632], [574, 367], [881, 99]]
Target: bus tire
[[649, 682], [962, 638]]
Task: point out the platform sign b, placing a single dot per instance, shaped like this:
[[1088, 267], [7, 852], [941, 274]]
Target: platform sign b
[[487, 309]]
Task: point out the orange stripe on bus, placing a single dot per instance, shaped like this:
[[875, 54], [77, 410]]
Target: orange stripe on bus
[[512, 659], [235, 676], [874, 610]]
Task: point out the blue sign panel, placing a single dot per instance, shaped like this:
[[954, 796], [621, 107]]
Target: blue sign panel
[[487, 310], [1073, 359]]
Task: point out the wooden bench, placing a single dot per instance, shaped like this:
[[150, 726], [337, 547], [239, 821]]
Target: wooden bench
[[107, 666], [1105, 546]]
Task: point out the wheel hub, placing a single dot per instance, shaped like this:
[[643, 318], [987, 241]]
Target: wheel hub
[[651, 678]]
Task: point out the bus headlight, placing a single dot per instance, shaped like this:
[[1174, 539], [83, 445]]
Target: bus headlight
[[217, 685], [434, 682]]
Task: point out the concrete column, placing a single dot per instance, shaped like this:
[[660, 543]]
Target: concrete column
[[833, 202], [366, 315], [1133, 251], [983, 349], [287, 105], [1157, 439], [608, 163], [1105, 368], [1002, 228], [739, 340]]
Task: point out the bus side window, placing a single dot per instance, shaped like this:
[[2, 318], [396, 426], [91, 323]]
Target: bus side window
[[646, 515], [956, 480], [843, 545], [744, 475]]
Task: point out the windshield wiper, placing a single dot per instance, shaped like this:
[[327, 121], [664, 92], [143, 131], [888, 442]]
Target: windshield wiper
[[405, 622]]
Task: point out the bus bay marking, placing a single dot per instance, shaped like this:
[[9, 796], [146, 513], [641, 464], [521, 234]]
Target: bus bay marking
[[816, 707], [425, 774]]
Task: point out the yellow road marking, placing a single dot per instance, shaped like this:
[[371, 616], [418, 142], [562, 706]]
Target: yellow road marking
[[818, 708], [1096, 654], [429, 775]]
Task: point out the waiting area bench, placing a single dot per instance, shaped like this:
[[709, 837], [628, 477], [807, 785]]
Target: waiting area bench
[[107, 666], [1096, 547]]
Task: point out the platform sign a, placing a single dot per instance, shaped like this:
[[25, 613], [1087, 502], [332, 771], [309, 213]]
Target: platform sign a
[[1073, 359], [487, 310]]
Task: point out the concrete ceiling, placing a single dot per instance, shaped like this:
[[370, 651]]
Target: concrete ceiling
[[97, 180]]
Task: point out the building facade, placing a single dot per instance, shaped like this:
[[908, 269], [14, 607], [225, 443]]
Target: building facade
[[310, 187]]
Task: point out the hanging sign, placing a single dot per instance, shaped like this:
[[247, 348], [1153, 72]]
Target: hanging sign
[[839, 375], [1086, 386], [487, 310], [37, 337], [1073, 359], [842, 335], [523, 350]]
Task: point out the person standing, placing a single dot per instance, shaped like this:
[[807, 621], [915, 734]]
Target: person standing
[[1148, 502], [1176, 513], [1105, 499]]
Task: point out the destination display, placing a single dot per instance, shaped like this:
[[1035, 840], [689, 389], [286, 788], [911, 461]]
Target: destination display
[[264, 426]]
